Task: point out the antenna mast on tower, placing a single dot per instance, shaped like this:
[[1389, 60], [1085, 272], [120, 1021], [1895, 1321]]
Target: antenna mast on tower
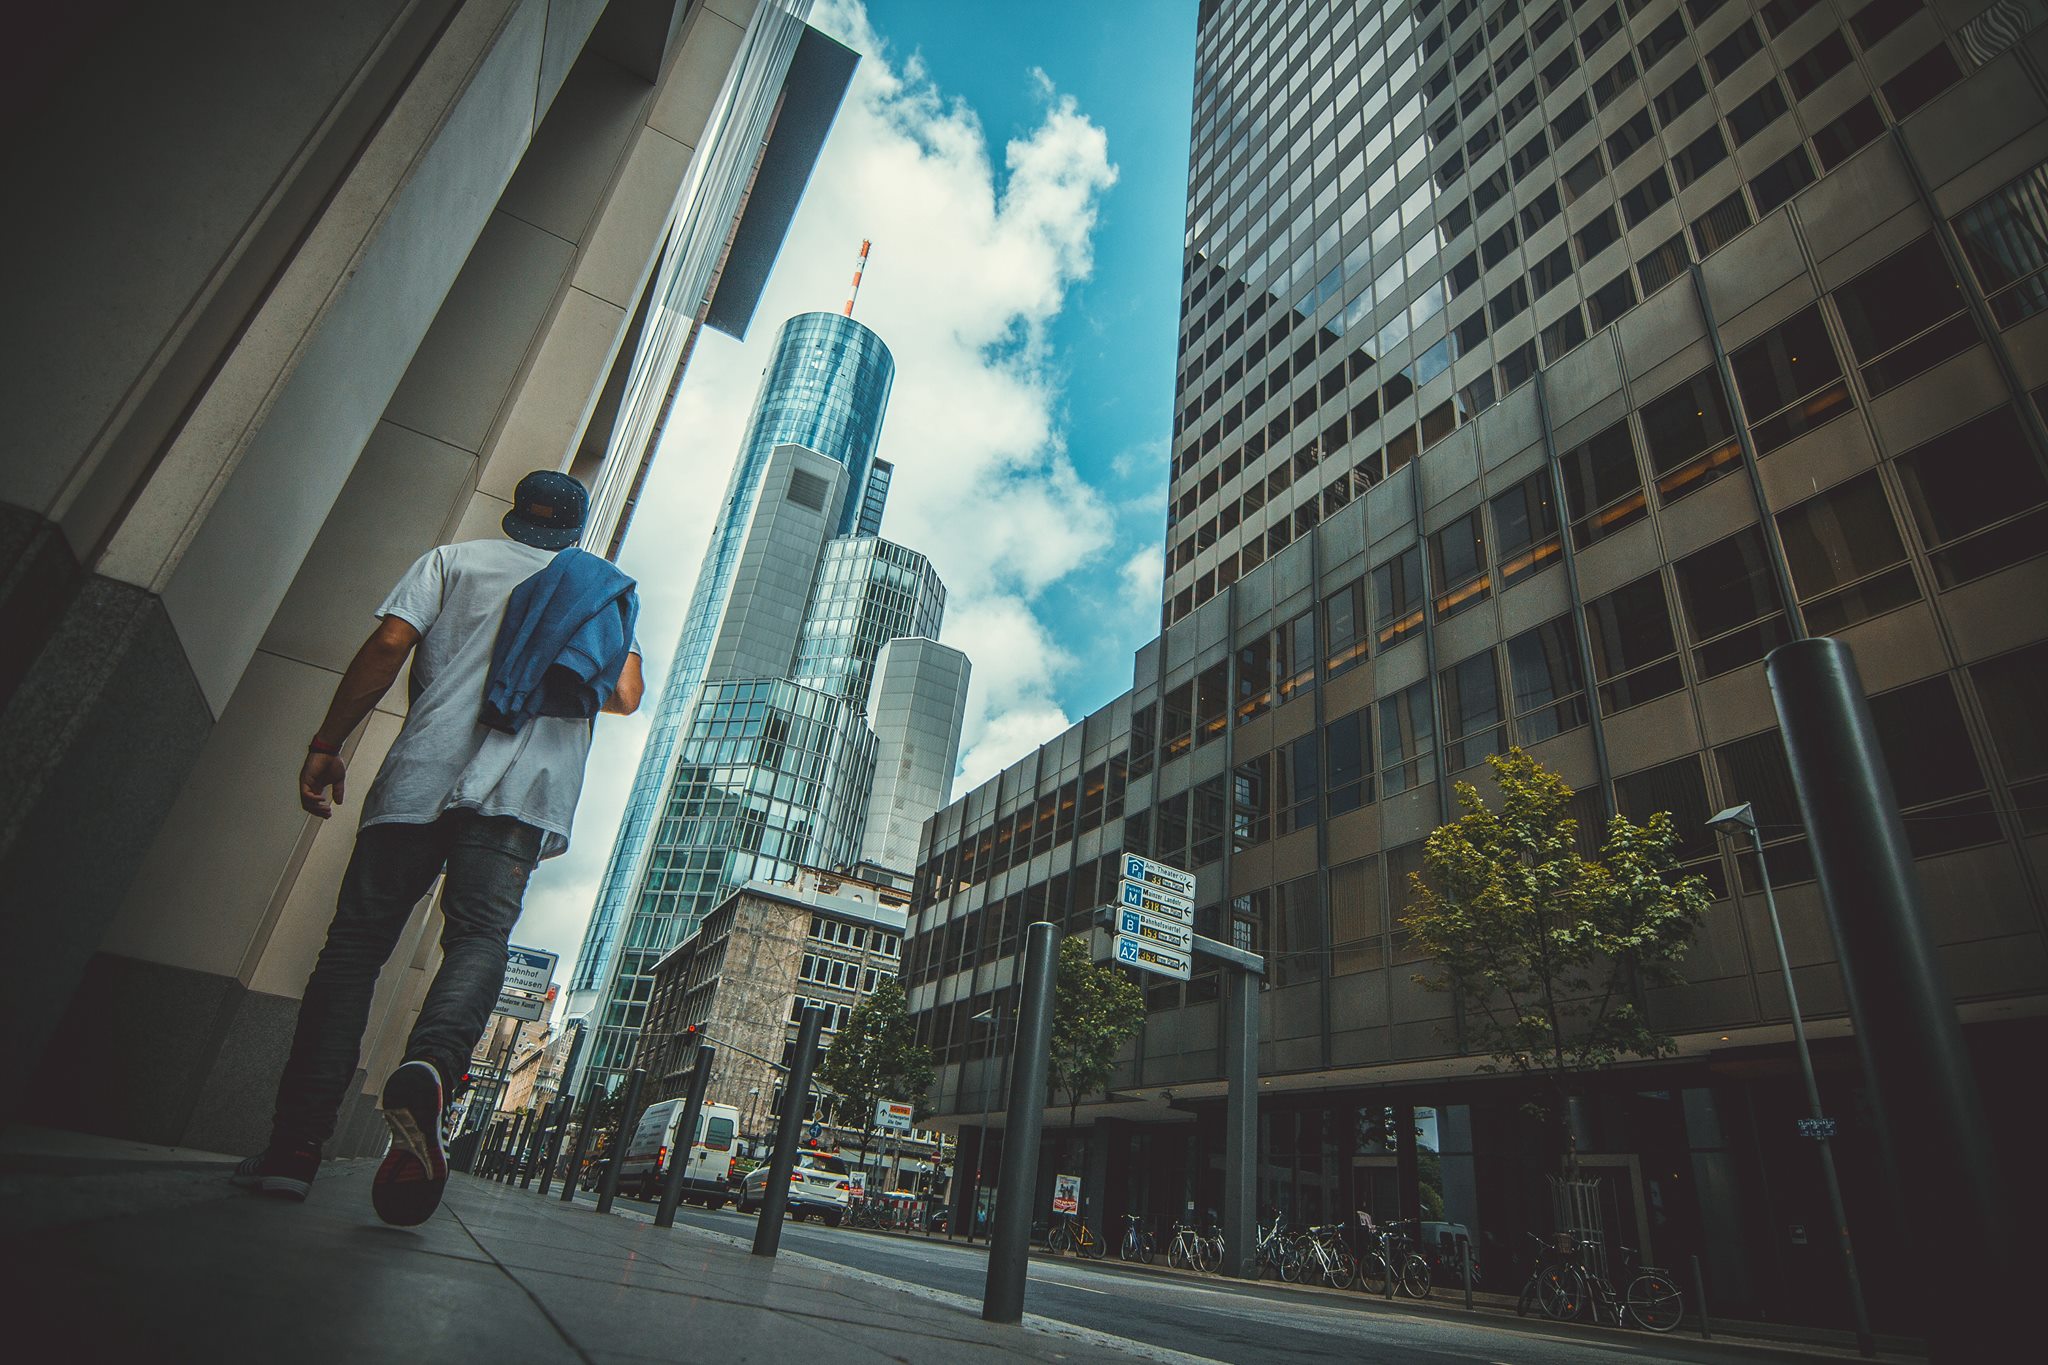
[[858, 267]]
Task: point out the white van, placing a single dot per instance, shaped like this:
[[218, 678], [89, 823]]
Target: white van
[[644, 1164]]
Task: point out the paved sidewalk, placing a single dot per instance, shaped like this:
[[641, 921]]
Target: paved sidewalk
[[152, 1257]]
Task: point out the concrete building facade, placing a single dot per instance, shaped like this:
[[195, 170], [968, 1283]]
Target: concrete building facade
[[1542, 367], [308, 288]]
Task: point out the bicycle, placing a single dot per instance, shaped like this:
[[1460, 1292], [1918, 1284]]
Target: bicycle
[[1212, 1249], [1391, 1253], [1272, 1250], [1072, 1234], [1137, 1243], [1187, 1250], [1323, 1254], [1553, 1283], [1651, 1299]]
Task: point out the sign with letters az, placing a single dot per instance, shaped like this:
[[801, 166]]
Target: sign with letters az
[[1149, 956]]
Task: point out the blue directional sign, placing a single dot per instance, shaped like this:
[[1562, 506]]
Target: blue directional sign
[[1178, 881], [1132, 895], [1148, 956], [1169, 933]]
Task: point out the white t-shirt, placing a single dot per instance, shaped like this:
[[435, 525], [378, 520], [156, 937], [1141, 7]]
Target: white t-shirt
[[444, 759]]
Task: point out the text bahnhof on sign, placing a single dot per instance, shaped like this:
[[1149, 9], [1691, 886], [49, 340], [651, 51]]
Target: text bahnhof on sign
[[1154, 918]]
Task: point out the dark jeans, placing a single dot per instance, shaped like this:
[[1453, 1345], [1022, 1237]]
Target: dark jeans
[[488, 859]]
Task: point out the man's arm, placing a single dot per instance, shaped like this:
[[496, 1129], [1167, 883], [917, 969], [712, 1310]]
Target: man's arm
[[369, 676], [625, 698]]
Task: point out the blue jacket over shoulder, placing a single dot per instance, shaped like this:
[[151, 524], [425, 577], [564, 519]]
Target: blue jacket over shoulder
[[563, 643]]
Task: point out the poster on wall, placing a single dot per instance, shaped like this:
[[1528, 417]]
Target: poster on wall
[[1066, 1194]]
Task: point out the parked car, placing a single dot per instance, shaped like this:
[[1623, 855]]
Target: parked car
[[819, 1183]]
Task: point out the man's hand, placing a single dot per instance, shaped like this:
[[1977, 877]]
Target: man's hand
[[316, 775]]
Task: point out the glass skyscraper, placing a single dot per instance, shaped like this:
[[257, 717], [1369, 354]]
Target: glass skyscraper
[[1543, 365], [825, 388]]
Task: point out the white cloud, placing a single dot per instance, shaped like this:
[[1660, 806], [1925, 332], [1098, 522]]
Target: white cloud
[[969, 266]]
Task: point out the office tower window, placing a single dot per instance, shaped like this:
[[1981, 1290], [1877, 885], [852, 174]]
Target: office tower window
[[1357, 917], [1297, 782], [1782, 179], [1922, 81], [1755, 770], [1596, 236], [1548, 684], [1407, 739], [1540, 210], [1733, 611], [1571, 119], [1177, 720], [1934, 768], [1603, 485], [1509, 303], [1255, 677], [1646, 196], [1904, 315], [1758, 112], [1589, 171], [1849, 132], [1699, 156], [1626, 140], [1609, 84], [1663, 40], [1679, 787], [2009, 691], [1730, 54], [1498, 246], [1691, 436], [1251, 819], [1635, 653], [1664, 264], [1294, 655], [1212, 702], [1599, 29], [1144, 734], [1611, 300], [2005, 237], [1469, 693], [1346, 628], [1720, 224], [1789, 380], [1779, 15], [1525, 529], [1347, 742], [1977, 496], [1681, 95], [1170, 838], [1818, 64], [1847, 560], [1562, 335], [1457, 556], [1295, 943], [1880, 17], [1207, 844]]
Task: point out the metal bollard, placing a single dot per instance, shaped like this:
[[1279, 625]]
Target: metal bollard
[[564, 1110], [510, 1165], [629, 1118], [572, 1176], [796, 1087], [686, 1138], [536, 1140], [1699, 1291], [1468, 1274]]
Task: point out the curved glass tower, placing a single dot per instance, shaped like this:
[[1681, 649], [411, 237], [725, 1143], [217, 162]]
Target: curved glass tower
[[825, 388]]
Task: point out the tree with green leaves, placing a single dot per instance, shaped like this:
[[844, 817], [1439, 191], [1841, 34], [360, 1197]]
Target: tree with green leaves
[[877, 1057], [1096, 1009], [1548, 950]]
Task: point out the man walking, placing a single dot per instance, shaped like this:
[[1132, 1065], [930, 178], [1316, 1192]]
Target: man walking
[[515, 645]]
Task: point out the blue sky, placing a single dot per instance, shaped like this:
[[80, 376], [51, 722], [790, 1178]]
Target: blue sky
[[1022, 172]]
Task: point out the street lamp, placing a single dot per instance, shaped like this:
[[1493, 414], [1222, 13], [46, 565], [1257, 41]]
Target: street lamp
[[1737, 821], [993, 1015]]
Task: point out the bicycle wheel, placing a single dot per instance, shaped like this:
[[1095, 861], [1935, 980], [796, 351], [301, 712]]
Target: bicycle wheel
[[1212, 1254], [1059, 1241], [1127, 1249], [1561, 1294], [1655, 1302], [1339, 1270], [1291, 1264], [1527, 1299], [1372, 1273], [1178, 1255], [1415, 1281], [1148, 1251], [1091, 1246]]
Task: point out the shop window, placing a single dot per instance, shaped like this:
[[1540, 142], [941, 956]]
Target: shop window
[[1790, 381], [1728, 56], [1904, 316], [1347, 743], [1525, 529], [1212, 702], [1603, 485], [1847, 561], [1255, 677], [1358, 922], [2005, 237], [1679, 788], [1546, 680], [1733, 610], [1681, 95], [1922, 81], [1814, 67], [1407, 739], [1346, 628], [1849, 132], [1758, 112], [1178, 720], [1977, 497], [2016, 718], [1635, 654], [1562, 335], [1691, 436], [1782, 179], [1251, 812], [1297, 782], [1720, 225], [1663, 264], [1294, 655], [1457, 560], [1648, 195], [1469, 693], [1934, 770]]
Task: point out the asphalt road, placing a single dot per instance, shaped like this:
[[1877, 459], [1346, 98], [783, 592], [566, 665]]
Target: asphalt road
[[1219, 1320]]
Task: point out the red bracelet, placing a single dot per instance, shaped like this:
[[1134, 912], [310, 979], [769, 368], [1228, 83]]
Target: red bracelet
[[320, 746]]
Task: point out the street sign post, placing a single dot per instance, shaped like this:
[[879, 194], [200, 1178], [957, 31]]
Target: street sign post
[[892, 1116], [1153, 900], [1148, 956], [528, 988], [1160, 875], [1166, 933]]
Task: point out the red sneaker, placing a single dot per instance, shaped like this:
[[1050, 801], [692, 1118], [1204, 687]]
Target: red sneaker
[[408, 1185], [282, 1171]]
